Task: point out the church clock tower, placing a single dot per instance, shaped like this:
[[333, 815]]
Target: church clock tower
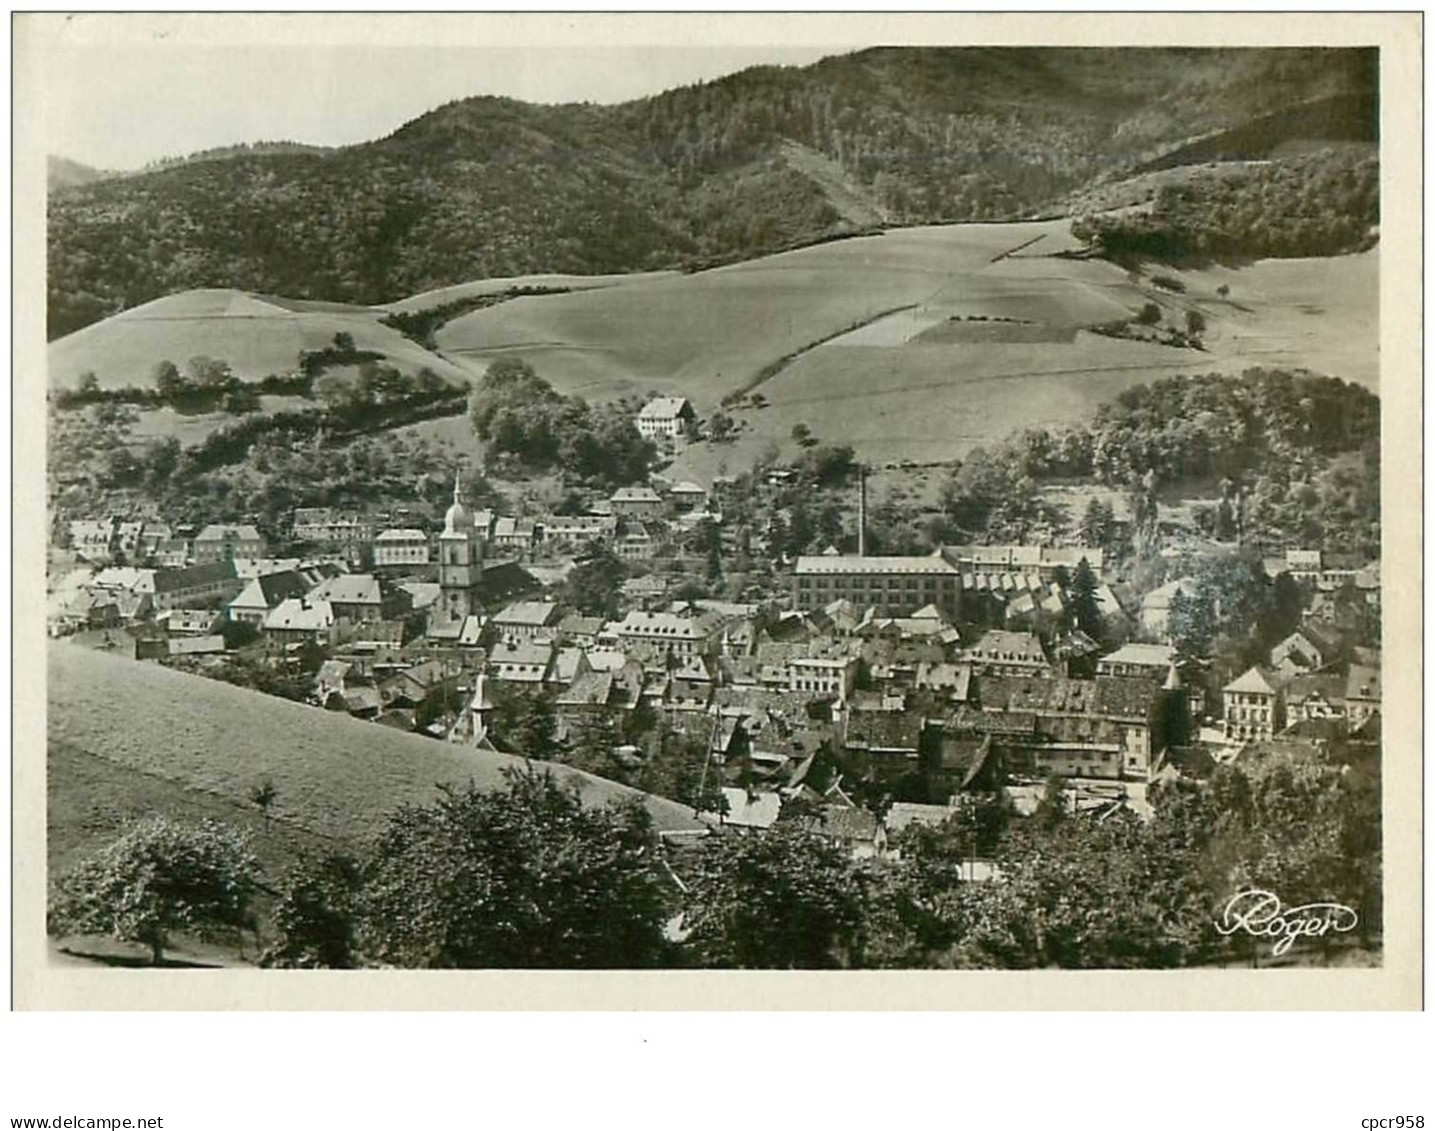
[[460, 561]]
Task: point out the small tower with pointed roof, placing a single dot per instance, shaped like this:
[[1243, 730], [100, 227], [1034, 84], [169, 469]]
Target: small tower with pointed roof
[[460, 560]]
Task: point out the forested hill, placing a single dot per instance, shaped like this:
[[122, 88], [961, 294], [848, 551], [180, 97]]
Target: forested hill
[[738, 167]]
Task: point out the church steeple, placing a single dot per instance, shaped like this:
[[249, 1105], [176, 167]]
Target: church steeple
[[460, 560]]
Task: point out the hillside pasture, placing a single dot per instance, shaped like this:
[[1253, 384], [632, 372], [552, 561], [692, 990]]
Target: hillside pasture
[[255, 336], [706, 335], [481, 287], [929, 403], [337, 777]]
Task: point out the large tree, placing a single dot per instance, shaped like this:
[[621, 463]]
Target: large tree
[[523, 877], [161, 877], [788, 899]]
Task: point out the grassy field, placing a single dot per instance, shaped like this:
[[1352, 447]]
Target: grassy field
[[337, 777], [256, 336], [707, 334]]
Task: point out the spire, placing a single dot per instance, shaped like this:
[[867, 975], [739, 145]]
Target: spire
[[457, 488], [1173, 678]]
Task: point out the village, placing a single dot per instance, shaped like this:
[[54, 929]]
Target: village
[[853, 692]]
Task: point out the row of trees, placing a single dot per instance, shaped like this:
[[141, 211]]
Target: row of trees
[[530, 877]]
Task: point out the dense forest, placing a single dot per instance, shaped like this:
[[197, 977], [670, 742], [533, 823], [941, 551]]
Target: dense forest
[[768, 158], [1322, 203]]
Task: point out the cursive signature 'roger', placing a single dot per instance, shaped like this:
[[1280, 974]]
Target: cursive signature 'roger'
[[1260, 914]]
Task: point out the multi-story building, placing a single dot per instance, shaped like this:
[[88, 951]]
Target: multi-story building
[[822, 675], [1149, 661], [1101, 728], [401, 547], [999, 652], [670, 632], [667, 418], [93, 539], [219, 542], [578, 528], [527, 620], [637, 502], [893, 586], [211, 583], [1253, 706], [333, 528]]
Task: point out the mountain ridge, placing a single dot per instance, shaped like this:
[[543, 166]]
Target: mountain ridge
[[492, 186]]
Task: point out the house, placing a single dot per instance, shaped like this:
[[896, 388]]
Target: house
[[1362, 694], [999, 652], [352, 596], [666, 418], [527, 620], [432, 681], [688, 497], [212, 583], [952, 681], [832, 676], [886, 736], [857, 830], [1253, 706], [524, 662], [404, 546], [1307, 649], [188, 622], [1304, 565], [647, 591], [1156, 605], [636, 502], [745, 809], [637, 545], [1148, 661], [220, 542], [1315, 697], [580, 631], [514, 534], [93, 540], [590, 694], [330, 527], [578, 528], [263, 594], [299, 620]]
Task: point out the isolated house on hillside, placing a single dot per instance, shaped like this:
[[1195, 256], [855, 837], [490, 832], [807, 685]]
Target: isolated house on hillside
[[666, 418]]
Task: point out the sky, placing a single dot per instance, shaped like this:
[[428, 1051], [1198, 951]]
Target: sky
[[118, 92]]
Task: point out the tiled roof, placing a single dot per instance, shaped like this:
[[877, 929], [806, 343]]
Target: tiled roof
[[1152, 655], [349, 589], [1253, 681], [663, 408], [172, 580], [823, 564], [528, 614]]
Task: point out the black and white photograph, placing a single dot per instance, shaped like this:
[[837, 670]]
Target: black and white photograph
[[675, 506]]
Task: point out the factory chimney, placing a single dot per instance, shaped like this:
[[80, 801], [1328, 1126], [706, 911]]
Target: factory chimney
[[861, 510]]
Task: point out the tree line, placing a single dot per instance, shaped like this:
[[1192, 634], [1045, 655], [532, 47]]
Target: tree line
[[530, 877]]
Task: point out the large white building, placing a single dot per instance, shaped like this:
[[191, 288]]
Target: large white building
[[666, 417]]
